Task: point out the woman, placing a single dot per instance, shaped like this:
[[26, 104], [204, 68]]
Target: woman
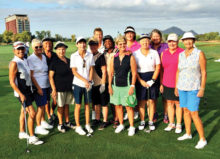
[[82, 64], [169, 60], [39, 77], [190, 80], [20, 81], [100, 96], [121, 90], [61, 77], [148, 64], [157, 44], [132, 46]]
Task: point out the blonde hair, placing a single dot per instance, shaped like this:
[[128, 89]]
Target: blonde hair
[[35, 41], [120, 38]]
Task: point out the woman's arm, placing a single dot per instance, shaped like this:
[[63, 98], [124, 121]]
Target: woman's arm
[[134, 74], [161, 73], [104, 74], [176, 89], [110, 75], [91, 69], [52, 84], [39, 90], [12, 75], [202, 63]]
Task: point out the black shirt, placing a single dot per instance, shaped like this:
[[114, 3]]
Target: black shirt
[[121, 69], [63, 76], [53, 55], [100, 61]]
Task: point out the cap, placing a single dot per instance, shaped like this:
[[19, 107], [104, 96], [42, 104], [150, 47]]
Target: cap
[[172, 37], [144, 36], [80, 38], [188, 35], [131, 100], [107, 37], [47, 39], [93, 41], [60, 44], [130, 29], [18, 44]]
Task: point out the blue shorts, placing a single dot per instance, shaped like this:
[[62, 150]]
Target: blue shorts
[[189, 100], [143, 93], [78, 92], [42, 100]]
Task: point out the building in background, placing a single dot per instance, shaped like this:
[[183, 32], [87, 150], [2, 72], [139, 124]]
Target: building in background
[[17, 23]]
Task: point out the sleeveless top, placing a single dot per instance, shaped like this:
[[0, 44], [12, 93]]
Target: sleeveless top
[[23, 77], [170, 64], [121, 71], [189, 71]]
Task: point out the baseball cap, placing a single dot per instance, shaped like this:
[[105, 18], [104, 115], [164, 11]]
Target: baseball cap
[[47, 39], [80, 38], [188, 35], [129, 29], [60, 44], [18, 44], [107, 37], [144, 36], [172, 37], [131, 100]]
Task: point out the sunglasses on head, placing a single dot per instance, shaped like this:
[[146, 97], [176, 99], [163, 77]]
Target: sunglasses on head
[[38, 47], [84, 63]]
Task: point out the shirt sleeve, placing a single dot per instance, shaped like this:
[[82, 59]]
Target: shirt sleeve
[[103, 62], [72, 62], [92, 61], [30, 63], [52, 66], [157, 57]]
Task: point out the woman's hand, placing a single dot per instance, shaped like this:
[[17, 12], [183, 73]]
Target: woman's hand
[[161, 88], [131, 91], [176, 92], [200, 93], [22, 98], [143, 83], [87, 85], [39, 91], [54, 94], [110, 90]]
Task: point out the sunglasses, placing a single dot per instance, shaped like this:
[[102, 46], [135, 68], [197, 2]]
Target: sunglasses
[[38, 47], [84, 63]]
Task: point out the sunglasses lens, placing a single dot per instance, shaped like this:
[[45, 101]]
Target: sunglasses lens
[[38, 47]]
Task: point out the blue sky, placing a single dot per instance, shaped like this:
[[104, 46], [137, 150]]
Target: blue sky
[[80, 17]]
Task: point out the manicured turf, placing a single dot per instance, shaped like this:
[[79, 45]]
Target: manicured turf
[[107, 144]]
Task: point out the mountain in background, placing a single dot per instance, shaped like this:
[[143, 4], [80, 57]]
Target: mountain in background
[[176, 30]]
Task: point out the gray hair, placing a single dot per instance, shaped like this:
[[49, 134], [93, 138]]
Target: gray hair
[[35, 41]]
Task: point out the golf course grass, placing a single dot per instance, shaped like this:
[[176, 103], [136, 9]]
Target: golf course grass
[[106, 144]]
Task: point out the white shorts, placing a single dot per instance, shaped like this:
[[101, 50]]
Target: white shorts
[[64, 98]]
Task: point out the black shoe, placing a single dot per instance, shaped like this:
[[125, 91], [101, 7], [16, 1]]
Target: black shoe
[[54, 117], [103, 125], [50, 121], [69, 125], [96, 122]]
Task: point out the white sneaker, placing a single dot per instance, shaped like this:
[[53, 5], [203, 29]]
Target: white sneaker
[[61, 128], [23, 135], [178, 129], [201, 144], [142, 125], [170, 127], [45, 125], [93, 115], [89, 129], [120, 128], [184, 137], [131, 131], [151, 126], [80, 131], [40, 130], [136, 115], [126, 116], [34, 140]]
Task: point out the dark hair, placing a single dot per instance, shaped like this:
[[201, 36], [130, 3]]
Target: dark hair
[[132, 32], [110, 38], [97, 29], [158, 32]]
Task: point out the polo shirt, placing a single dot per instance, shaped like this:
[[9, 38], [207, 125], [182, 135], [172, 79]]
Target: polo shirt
[[134, 47], [53, 55], [161, 48], [63, 75], [146, 63], [40, 68], [97, 73], [76, 61]]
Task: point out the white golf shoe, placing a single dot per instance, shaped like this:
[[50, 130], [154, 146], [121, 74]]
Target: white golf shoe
[[23, 135], [45, 125], [34, 140], [40, 130]]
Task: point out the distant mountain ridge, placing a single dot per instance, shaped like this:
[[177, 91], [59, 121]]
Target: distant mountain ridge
[[176, 30]]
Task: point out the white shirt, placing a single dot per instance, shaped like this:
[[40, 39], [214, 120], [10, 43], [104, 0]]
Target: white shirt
[[76, 61], [40, 69], [146, 63]]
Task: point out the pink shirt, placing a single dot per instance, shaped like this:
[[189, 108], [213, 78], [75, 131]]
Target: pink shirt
[[133, 48], [170, 64]]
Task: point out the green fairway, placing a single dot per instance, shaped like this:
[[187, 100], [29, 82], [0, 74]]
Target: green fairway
[[107, 144]]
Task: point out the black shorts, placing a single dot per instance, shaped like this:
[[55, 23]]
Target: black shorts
[[168, 94], [142, 92], [100, 98], [29, 99]]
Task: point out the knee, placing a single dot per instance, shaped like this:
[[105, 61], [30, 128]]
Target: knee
[[32, 114], [194, 114]]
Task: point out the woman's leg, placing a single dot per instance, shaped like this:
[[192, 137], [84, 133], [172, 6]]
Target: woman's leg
[[171, 111], [179, 112], [119, 112], [151, 105], [66, 113], [142, 109], [31, 118], [105, 113], [130, 112], [39, 115], [198, 124], [87, 113], [60, 115], [77, 114], [21, 120], [187, 120], [97, 112]]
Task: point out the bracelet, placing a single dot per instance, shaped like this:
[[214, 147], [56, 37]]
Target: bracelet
[[132, 86]]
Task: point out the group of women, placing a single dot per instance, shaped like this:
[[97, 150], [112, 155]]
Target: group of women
[[123, 73]]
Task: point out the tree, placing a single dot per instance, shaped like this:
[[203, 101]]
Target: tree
[[1, 38], [58, 37], [39, 35], [15, 37], [7, 36], [73, 38], [48, 34], [25, 36]]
